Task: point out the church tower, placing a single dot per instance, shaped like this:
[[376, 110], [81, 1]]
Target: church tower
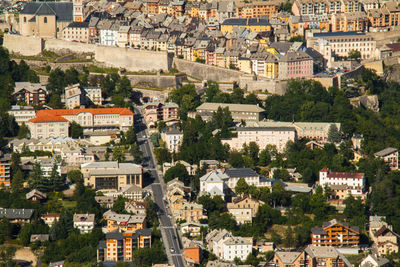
[[78, 10]]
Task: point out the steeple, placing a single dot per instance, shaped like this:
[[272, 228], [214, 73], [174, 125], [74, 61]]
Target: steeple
[[78, 11]]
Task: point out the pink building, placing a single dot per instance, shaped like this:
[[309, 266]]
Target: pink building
[[156, 111], [295, 65]]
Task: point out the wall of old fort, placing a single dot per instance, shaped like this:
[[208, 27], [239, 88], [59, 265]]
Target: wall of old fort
[[27, 46]]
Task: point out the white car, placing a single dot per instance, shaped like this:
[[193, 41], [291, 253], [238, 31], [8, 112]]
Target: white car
[[172, 250]]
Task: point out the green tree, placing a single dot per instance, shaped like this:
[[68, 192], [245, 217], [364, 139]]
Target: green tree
[[136, 153], [119, 205], [55, 101], [124, 86], [162, 155], [118, 154], [23, 132], [56, 180], [354, 54], [17, 182], [75, 176], [282, 174], [5, 230], [333, 134], [241, 187], [178, 171], [75, 130]]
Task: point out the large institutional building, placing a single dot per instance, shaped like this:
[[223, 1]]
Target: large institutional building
[[111, 175], [54, 123], [239, 111]]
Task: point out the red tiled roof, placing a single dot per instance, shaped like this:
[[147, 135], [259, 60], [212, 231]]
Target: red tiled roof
[[394, 47], [47, 118], [357, 175], [95, 111]]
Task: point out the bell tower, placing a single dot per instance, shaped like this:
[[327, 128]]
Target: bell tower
[[78, 10]]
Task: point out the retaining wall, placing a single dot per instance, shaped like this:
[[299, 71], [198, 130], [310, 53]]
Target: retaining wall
[[27, 46]]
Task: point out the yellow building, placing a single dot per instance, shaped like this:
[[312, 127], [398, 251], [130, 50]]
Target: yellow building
[[252, 24], [244, 64]]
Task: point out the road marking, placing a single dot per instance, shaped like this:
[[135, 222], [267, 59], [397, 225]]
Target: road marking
[[168, 227]]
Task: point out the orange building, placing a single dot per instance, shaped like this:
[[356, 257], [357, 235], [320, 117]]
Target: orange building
[[192, 252], [257, 9], [152, 6], [119, 245], [334, 233], [5, 171], [124, 222]]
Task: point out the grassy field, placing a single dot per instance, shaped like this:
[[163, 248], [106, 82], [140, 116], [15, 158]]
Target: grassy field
[[68, 203]]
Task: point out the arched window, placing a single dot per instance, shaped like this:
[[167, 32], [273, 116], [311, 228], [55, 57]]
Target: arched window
[[45, 19], [24, 19]]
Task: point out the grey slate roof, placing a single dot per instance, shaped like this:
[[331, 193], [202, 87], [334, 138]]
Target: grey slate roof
[[241, 172], [114, 235], [62, 10], [385, 152], [260, 129], [16, 213]]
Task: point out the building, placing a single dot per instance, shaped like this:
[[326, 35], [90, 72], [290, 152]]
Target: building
[[39, 238], [294, 65], [334, 233], [318, 131], [189, 211], [190, 168], [48, 126], [212, 183], [239, 111], [50, 219], [262, 136], [257, 9], [30, 93], [35, 195], [124, 222], [5, 170], [47, 166], [381, 233], [288, 258], [105, 201], [77, 32], [244, 208], [373, 261], [72, 96], [16, 215], [135, 207], [22, 114], [326, 256], [236, 247], [252, 24], [75, 96], [57, 264], [132, 192], [111, 175], [343, 184], [172, 137], [119, 245], [191, 228], [389, 155], [84, 222], [45, 19], [192, 251], [348, 22]]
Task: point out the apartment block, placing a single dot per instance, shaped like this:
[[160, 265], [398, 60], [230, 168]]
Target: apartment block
[[244, 208], [343, 184], [262, 136], [335, 233], [390, 156], [84, 222], [257, 9], [5, 170], [124, 222], [239, 111], [22, 114], [48, 126], [296, 65], [172, 137], [111, 175], [30, 93]]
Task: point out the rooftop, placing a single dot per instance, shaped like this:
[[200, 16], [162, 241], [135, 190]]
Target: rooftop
[[232, 107]]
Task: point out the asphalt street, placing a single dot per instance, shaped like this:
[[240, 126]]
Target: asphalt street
[[174, 245]]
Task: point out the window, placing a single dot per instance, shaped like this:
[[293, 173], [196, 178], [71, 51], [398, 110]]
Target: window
[[24, 19], [45, 19]]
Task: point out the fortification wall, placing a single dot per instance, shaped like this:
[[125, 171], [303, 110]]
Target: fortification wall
[[27, 46], [62, 46], [160, 81], [262, 85], [206, 72]]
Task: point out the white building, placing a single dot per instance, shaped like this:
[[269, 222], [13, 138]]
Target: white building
[[47, 167], [236, 247], [191, 228], [352, 180], [84, 222], [22, 114], [262, 136], [108, 32], [172, 138], [213, 183]]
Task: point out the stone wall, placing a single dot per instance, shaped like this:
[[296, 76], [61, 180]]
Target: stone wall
[[160, 81], [253, 84], [206, 72], [27, 46]]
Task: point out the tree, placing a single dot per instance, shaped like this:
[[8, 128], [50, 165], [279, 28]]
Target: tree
[[119, 205], [56, 180], [354, 54], [55, 101], [136, 153], [75, 176], [7, 254], [118, 154], [23, 131], [5, 230], [333, 134], [178, 171], [162, 155], [288, 241], [17, 182], [36, 176], [124, 86], [75, 130], [241, 187], [282, 174]]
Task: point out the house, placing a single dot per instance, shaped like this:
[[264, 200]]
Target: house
[[191, 228], [84, 222], [192, 251], [133, 192], [236, 247], [215, 242], [252, 24], [385, 240], [47, 166], [45, 19], [262, 136], [335, 233], [327, 256], [50, 219], [77, 32], [190, 168], [111, 175], [212, 183], [343, 184], [190, 211], [172, 137], [105, 201], [30, 93], [119, 245], [16, 215], [373, 261], [244, 208], [40, 238], [287, 258], [124, 222], [57, 264], [390, 156], [239, 112], [73, 96], [22, 114], [35, 195], [264, 246], [5, 170], [135, 207]]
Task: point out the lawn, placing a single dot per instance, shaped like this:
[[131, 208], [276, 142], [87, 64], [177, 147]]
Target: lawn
[[68, 203]]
